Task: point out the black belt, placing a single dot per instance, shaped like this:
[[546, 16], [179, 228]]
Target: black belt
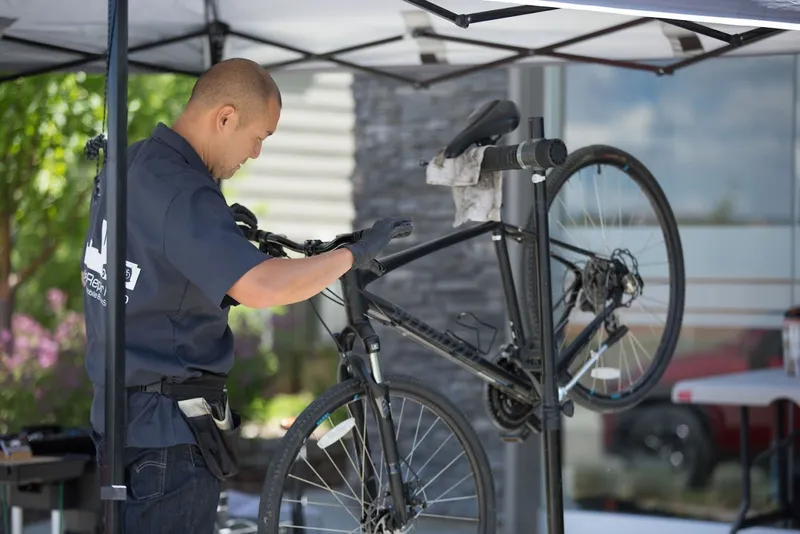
[[208, 386]]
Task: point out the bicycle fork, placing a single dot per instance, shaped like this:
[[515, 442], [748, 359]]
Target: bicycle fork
[[378, 394]]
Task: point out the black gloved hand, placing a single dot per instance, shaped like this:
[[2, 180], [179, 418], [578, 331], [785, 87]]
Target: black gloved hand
[[244, 216], [370, 242]]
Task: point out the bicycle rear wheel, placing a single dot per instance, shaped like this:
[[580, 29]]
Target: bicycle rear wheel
[[630, 263], [329, 432]]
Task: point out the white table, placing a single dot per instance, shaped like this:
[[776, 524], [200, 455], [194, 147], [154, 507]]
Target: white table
[[758, 388]]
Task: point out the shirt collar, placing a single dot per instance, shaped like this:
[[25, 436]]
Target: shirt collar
[[174, 140]]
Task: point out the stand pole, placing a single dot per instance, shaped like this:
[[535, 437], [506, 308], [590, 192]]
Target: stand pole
[[551, 408], [113, 491]]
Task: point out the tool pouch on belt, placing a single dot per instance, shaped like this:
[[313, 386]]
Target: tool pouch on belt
[[216, 429], [204, 404]]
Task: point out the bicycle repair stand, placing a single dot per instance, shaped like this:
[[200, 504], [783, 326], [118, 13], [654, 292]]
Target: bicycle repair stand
[[551, 407]]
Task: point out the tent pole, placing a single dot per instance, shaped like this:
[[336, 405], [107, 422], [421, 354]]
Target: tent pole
[[551, 407], [114, 491]]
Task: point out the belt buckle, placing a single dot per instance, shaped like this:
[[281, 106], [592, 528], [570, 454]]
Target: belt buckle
[[155, 387]]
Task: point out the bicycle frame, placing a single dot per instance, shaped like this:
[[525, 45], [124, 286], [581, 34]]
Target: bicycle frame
[[362, 305]]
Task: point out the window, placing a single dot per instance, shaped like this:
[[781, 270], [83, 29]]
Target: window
[[718, 136]]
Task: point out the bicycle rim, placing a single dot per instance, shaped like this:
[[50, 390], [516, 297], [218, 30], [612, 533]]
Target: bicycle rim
[[626, 373], [315, 482]]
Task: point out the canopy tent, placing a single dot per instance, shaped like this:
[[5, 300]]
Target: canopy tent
[[386, 37], [381, 37]]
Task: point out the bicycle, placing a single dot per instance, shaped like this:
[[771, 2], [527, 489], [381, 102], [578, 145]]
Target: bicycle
[[604, 285]]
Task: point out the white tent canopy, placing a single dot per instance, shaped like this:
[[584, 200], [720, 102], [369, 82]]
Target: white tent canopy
[[43, 34]]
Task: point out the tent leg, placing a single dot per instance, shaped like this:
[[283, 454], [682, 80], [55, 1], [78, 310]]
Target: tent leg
[[114, 491], [551, 408]]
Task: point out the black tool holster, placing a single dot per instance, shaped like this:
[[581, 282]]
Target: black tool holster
[[203, 401]]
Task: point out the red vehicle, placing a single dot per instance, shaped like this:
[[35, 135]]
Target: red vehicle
[[694, 439]]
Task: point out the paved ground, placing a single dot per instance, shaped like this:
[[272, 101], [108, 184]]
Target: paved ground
[[582, 446], [325, 515]]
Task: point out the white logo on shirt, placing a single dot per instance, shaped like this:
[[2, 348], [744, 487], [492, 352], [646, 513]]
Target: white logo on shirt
[[95, 260]]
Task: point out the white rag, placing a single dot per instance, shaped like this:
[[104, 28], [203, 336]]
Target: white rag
[[478, 196]]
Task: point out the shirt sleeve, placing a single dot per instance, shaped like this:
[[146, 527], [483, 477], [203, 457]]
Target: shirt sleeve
[[202, 240]]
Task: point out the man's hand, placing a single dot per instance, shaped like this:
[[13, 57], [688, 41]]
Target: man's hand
[[374, 239], [244, 216]]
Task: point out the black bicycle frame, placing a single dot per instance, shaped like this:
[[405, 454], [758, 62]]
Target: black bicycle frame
[[362, 305]]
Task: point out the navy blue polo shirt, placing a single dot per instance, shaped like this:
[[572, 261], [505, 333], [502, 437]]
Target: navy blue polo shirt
[[184, 252]]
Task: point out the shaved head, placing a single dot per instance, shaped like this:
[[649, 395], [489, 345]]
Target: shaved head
[[240, 83], [234, 106]]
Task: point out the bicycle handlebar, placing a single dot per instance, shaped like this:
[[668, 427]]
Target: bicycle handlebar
[[311, 247], [534, 153]]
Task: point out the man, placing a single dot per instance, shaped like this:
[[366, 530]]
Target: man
[[186, 260]]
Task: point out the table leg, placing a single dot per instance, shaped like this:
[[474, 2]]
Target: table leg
[[744, 446], [784, 428], [781, 459], [790, 430], [16, 520], [56, 521], [785, 513]]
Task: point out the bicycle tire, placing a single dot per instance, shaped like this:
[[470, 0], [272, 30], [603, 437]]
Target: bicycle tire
[[638, 172], [338, 396]]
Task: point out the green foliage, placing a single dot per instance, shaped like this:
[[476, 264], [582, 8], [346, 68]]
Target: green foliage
[[279, 407], [42, 379], [256, 364], [46, 182]]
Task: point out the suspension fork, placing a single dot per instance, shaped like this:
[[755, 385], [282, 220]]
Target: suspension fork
[[376, 390]]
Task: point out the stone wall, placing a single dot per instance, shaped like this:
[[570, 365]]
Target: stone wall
[[396, 126]]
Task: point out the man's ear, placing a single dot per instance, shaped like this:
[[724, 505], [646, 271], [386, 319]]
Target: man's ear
[[225, 117]]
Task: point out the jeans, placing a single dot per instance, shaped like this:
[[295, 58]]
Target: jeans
[[170, 491]]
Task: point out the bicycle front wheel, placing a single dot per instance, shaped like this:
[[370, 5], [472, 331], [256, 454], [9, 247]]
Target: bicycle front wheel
[[622, 249], [329, 473]]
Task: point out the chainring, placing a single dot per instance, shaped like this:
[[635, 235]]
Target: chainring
[[506, 413]]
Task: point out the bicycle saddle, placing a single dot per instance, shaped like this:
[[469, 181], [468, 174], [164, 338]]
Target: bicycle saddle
[[493, 119]]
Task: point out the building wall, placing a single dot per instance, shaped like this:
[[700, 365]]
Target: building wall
[[396, 126], [300, 186]]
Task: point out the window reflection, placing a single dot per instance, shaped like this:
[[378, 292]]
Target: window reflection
[[719, 138]]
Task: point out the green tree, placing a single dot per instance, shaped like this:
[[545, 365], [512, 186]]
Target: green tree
[[45, 181]]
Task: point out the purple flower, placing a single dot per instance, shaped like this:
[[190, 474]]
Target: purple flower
[[48, 353], [57, 299]]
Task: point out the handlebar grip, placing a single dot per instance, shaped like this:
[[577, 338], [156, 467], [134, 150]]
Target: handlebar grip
[[538, 153]]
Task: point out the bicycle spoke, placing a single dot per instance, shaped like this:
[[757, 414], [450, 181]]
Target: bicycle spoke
[[315, 503], [449, 517], [317, 529], [454, 460], [432, 455], [448, 490]]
